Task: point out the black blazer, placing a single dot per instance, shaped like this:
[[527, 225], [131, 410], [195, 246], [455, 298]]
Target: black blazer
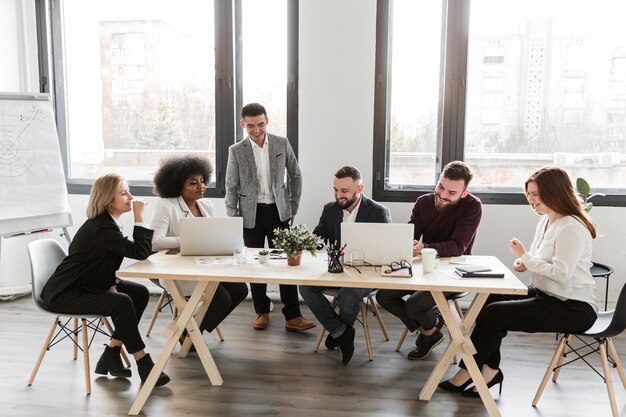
[[95, 254], [329, 226]]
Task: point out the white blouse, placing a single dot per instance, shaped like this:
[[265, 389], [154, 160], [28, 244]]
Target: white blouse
[[559, 259], [166, 220], [166, 226]]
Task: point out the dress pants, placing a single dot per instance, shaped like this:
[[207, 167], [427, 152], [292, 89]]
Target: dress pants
[[125, 307], [268, 219], [533, 313], [350, 300], [227, 296], [415, 312]]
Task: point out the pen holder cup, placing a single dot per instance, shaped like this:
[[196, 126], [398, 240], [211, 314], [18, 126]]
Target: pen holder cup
[[334, 261]]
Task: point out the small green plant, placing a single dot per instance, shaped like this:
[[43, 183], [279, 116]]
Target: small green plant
[[584, 191], [264, 252], [296, 239]]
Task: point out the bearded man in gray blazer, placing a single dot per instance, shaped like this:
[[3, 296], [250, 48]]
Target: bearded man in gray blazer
[[257, 191]]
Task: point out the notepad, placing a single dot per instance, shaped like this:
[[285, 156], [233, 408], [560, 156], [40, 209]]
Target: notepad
[[485, 274], [473, 268]]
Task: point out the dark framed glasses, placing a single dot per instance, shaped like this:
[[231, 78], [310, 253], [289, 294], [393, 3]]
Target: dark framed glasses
[[403, 264]]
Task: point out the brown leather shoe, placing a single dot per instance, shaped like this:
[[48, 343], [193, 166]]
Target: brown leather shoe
[[298, 324], [262, 321]]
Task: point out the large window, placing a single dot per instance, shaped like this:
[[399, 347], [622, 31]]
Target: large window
[[527, 84], [19, 72], [140, 84], [136, 82]]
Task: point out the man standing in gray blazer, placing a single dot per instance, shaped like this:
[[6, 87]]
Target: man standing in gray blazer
[[257, 191]]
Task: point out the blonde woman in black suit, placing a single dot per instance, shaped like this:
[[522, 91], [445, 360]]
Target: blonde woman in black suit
[[85, 283]]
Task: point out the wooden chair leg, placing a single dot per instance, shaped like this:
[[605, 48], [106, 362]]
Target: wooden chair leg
[[219, 333], [320, 336], [618, 363], [401, 341], [557, 369], [366, 331], [107, 324], [457, 306], [555, 358], [381, 323], [86, 357], [607, 378], [43, 351], [75, 337], [156, 312]]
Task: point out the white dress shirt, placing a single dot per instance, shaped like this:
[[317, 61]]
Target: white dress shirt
[[350, 217], [262, 161], [559, 259]]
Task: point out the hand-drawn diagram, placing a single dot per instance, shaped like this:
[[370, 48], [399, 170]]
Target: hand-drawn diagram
[[17, 152]]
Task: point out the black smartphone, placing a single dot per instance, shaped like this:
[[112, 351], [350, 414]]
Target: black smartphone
[[174, 251], [276, 252]]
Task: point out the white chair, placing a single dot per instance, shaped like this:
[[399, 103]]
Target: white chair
[[45, 255], [368, 305]]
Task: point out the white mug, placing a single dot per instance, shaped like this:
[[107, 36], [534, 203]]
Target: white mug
[[429, 256]]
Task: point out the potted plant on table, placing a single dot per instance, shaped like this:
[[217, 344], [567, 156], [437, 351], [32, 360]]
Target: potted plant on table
[[264, 256], [293, 241]]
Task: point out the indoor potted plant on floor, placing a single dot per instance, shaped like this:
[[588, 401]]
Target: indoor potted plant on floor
[[293, 241]]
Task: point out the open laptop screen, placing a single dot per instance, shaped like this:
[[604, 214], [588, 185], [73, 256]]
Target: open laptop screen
[[380, 243], [204, 236]]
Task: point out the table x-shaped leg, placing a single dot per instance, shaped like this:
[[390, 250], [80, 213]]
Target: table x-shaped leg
[[460, 343], [184, 320]]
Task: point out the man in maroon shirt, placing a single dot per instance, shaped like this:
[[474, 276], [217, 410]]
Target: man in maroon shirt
[[446, 221]]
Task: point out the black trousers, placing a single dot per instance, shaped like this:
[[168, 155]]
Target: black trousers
[[533, 313], [227, 296], [417, 311], [267, 219], [125, 307]]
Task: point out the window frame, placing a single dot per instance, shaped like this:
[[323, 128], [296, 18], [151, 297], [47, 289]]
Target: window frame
[[228, 94], [452, 111]]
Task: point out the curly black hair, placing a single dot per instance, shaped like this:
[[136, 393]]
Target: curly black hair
[[170, 179]]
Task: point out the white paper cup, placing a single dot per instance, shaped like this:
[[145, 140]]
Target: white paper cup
[[429, 257]]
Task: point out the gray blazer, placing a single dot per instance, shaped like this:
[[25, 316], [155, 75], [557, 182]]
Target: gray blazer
[[242, 184]]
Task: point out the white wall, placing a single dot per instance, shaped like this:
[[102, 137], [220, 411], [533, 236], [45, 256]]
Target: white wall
[[337, 48]]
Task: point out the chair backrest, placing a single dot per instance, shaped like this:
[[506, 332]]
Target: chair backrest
[[618, 321], [45, 255]]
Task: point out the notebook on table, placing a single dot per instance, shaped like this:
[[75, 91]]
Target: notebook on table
[[210, 236]]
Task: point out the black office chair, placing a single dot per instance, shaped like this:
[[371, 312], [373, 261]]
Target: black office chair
[[608, 325]]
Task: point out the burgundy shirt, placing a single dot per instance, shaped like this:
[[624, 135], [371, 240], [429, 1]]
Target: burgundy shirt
[[450, 231]]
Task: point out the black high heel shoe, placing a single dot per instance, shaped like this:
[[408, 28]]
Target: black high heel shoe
[[449, 386], [497, 379]]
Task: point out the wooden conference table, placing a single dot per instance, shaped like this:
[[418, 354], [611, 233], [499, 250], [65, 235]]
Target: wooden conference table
[[313, 271]]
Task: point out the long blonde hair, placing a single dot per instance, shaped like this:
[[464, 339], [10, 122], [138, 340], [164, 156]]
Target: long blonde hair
[[102, 194]]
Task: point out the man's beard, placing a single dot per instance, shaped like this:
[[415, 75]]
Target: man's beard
[[448, 203], [348, 203]]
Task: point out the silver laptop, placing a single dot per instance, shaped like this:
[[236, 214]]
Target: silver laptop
[[204, 236], [380, 243]]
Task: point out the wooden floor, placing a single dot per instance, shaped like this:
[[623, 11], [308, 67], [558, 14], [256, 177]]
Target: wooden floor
[[275, 373]]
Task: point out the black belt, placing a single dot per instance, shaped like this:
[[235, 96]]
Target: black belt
[[265, 205]]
